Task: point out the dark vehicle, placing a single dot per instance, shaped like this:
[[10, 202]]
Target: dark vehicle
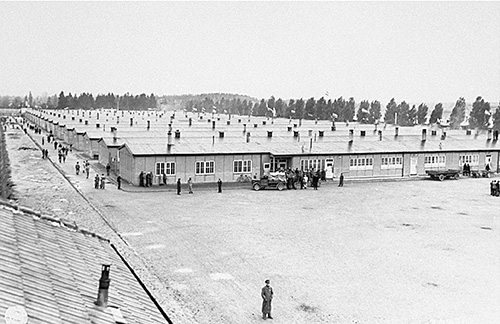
[[443, 174], [269, 183]]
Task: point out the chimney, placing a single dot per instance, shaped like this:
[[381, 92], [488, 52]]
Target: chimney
[[190, 121], [169, 136], [490, 132], [102, 294], [396, 132], [131, 121], [239, 120], [443, 135], [310, 132], [86, 122], [495, 135], [244, 128], [72, 118], [97, 125], [117, 119], [149, 125], [263, 122], [379, 135], [248, 137], [228, 122], [113, 131], [221, 134], [103, 127], [177, 134], [213, 124], [64, 116], [424, 135], [300, 122], [269, 134], [97, 115], [254, 125], [334, 128], [351, 135]]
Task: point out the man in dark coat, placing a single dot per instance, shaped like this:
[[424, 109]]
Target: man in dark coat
[[179, 186], [267, 297], [219, 185], [141, 179], [341, 180], [119, 182]]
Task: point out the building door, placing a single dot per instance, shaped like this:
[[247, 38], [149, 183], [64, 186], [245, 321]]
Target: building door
[[329, 168], [413, 164]]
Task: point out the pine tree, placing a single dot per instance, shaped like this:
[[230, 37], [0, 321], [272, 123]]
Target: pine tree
[[62, 102], [349, 110], [363, 115], [422, 113], [403, 114], [480, 114], [309, 112], [437, 113], [375, 112], [457, 114], [390, 112]]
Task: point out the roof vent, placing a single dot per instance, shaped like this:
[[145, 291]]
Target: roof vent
[[362, 133], [228, 122], [86, 122], [490, 132], [254, 125], [289, 128], [468, 132], [310, 132], [190, 121], [102, 294], [131, 121], [97, 125], [239, 120], [269, 134], [149, 125], [263, 122], [433, 133], [424, 135], [221, 134], [379, 135], [213, 124], [321, 133], [295, 133], [177, 134], [351, 135], [396, 132]]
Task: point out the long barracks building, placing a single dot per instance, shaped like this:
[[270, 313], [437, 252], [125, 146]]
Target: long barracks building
[[207, 147]]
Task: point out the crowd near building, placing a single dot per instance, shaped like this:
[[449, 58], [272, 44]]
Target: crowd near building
[[209, 146]]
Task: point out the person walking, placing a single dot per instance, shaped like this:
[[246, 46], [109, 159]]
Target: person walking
[[341, 180], [493, 187], [77, 168], [119, 182], [219, 186], [87, 169], [267, 297], [179, 186], [190, 185]]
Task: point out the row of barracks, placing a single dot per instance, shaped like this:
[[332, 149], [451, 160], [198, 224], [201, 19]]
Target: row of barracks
[[207, 147]]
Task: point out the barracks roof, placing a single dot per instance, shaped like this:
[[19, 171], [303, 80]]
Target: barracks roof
[[52, 269]]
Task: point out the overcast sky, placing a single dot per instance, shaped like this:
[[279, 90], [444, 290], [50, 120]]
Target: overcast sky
[[414, 51]]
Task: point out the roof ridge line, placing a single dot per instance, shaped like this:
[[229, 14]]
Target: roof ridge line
[[55, 221]]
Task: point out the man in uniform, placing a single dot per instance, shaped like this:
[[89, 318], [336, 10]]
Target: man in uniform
[[267, 296], [179, 186], [341, 180], [219, 186]]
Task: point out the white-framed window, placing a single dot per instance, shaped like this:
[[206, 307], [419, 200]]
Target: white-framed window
[[312, 164], [361, 163], [165, 167], [434, 161], [472, 159], [204, 167], [242, 166], [391, 162]]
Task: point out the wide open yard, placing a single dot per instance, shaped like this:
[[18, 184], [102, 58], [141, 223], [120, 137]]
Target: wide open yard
[[388, 252]]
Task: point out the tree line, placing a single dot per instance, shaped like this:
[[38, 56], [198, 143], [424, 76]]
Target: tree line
[[344, 110]]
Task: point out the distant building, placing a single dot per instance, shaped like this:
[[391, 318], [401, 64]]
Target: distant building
[[210, 146]]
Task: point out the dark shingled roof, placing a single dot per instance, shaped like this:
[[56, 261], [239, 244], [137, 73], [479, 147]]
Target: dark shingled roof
[[53, 271]]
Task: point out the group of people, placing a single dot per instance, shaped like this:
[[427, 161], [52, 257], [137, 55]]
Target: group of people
[[190, 186], [466, 169], [100, 182], [84, 167], [495, 188], [146, 179], [304, 178]]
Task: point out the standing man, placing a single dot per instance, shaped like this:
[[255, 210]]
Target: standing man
[[190, 185], [87, 168], [103, 181], [96, 181], [219, 185], [179, 186], [119, 182], [341, 180], [108, 167], [267, 296], [77, 167]]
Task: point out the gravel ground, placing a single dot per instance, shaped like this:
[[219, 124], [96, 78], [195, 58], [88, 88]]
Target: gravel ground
[[386, 252]]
